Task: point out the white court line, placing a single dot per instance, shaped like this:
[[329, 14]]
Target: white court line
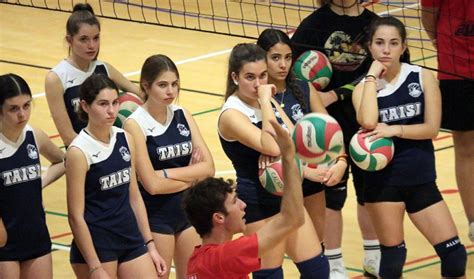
[[192, 59]]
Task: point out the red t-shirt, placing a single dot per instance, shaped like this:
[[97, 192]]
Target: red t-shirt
[[455, 36], [231, 260]]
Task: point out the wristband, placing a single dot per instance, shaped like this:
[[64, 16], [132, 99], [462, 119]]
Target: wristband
[[165, 174], [149, 241], [372, 76]]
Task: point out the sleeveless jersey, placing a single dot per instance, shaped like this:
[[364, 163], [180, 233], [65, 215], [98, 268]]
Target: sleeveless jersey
[[107, 212], [21, 203], [245, 159], [291, 106], [404, 104], [169, 146], [295, 112], [71, 79]]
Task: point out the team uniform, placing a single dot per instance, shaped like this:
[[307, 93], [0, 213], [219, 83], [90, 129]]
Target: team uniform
[[410, 176], [108, 214], [233, 259], [71, 79], [21, 202], [455, 40], [169, 146], [260, 203], [342, 39], [295, 112]]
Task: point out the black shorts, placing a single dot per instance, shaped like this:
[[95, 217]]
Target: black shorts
[[170, 228], [336, 195], [415, 197], [457, 104], [310, 188], [27, 254], [257, 212], [124, 255]]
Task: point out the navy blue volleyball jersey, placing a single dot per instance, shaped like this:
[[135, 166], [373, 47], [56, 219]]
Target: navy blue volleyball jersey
[[404, 104], [71, 79], [21, 202], [245, 159], [107, 211], [290, 104], [169, 146]]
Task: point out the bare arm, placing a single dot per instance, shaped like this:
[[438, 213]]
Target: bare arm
[[3, 233], [315, 102], [234, 125], [123, 83], [151, 180], [291, 215], [200, 170], [76, 169], [54, 96], [53, 154], [429, 19], [138, 207]]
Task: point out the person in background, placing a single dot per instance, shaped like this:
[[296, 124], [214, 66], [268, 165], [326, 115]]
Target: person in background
[[449, 25], [339, 30], [63, 81]]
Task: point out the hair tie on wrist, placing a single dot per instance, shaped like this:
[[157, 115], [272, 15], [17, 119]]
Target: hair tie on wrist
[[94, 269], [165, 174], [149, 241], [372, 76]]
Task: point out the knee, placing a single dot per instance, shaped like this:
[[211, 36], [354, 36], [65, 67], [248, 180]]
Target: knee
[[453, 257], [393, 258], [314, 268]]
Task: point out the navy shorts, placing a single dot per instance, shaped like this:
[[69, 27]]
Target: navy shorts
[[457, 104], [415, 197], [29, 253], [106, 255]]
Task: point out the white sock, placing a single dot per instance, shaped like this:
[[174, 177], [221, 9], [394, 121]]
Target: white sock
[[372, 256], [334, 256]]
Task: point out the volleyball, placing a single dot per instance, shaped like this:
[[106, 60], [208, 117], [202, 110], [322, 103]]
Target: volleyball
[[313, 66], [318, 138], [371, 155], [271, 177], [129, 102]]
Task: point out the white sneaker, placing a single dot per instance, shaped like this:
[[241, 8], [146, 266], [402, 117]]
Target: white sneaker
[[338, 271], [471, 231], [371, 267]]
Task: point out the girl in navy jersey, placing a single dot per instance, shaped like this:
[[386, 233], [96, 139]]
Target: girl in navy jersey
[[248, 109], [402, 101], [298, 98], [171, 156], [63, 81], [106, 211], [27, 253]]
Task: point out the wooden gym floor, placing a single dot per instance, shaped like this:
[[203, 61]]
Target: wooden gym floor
[[32, 41]]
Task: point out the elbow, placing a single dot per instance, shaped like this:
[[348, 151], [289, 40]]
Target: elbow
[[434, 133], [74, 220], [299, 220], [368, 125]]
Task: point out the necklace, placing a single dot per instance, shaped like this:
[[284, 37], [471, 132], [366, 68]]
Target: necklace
[[282, 104]]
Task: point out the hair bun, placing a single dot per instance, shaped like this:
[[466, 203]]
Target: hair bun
[[83, 7]]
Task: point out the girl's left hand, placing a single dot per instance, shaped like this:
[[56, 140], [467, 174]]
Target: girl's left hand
[[158, 261], [335, 173], [382, 130]]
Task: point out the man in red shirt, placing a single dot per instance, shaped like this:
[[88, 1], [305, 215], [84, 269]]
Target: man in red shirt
[[450, 25], [213, 208]]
